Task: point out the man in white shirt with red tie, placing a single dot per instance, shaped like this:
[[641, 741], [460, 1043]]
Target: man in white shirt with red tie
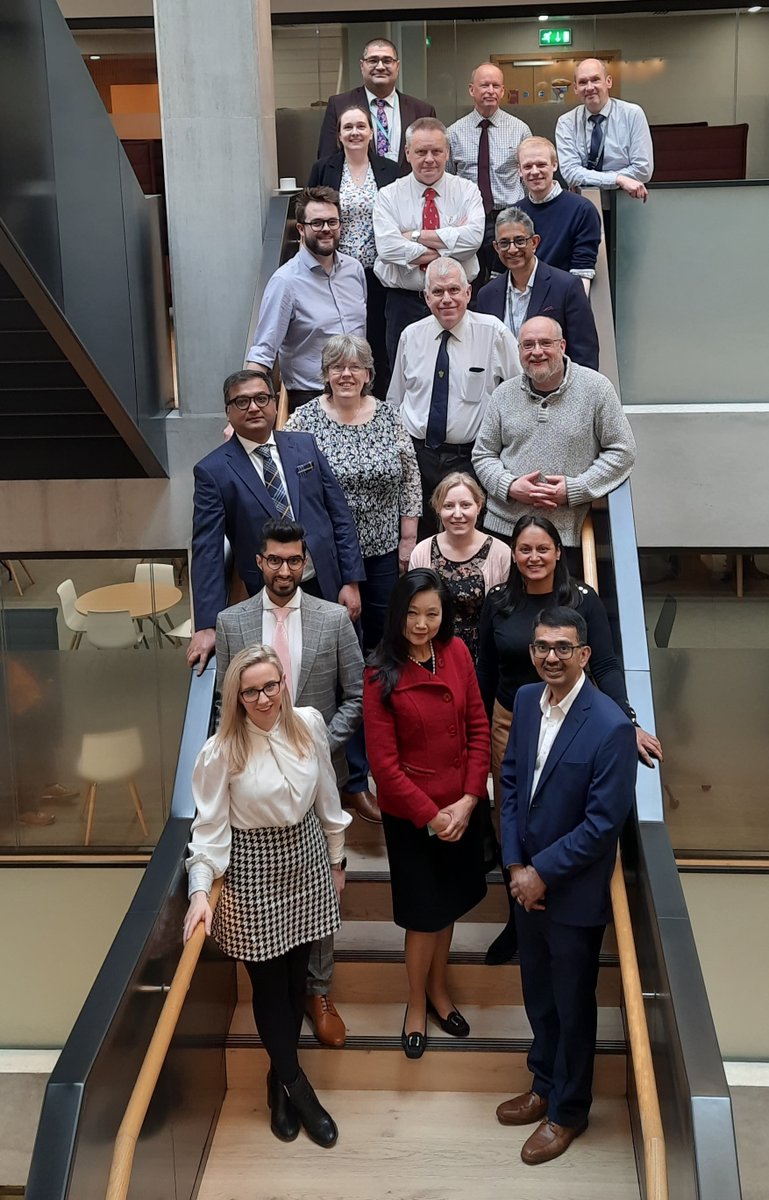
[[424, 216]]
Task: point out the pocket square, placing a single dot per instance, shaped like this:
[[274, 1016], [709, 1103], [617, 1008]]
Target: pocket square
[[303, 468]]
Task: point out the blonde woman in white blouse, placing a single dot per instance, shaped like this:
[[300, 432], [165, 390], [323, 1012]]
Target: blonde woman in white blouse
[[269, 820]]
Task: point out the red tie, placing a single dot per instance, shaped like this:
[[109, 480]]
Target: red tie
[[430, 218]]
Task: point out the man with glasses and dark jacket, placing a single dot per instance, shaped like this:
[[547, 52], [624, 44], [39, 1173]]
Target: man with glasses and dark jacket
[[317, 293]]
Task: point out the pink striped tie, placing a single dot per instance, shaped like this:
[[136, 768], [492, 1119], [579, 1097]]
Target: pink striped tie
[[281, 645]]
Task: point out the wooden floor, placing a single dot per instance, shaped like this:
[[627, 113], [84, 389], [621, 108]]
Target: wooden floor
[[414, 1146]]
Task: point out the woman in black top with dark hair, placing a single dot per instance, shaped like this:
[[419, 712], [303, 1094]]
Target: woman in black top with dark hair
[[539, 578]]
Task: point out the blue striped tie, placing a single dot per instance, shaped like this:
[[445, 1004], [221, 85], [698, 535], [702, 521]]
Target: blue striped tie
[[274, 483]]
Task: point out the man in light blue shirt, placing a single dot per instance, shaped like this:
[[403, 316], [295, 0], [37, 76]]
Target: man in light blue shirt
[[314, 295], [604, 143]]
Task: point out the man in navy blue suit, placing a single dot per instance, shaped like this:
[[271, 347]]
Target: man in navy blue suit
[[531, 288], [568, 784], [255, 476]]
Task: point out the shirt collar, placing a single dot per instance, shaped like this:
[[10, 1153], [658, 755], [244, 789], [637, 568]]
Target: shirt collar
[[420, 188], [459, 331], [372, 99], [294, 602], [309, 260], [603, 112], [250, 447], [555, 191], [562, 705], [478, 116], [531, 279]]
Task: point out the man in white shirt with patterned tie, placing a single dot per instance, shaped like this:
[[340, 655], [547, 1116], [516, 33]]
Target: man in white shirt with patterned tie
[[426, 215], [604, 142]]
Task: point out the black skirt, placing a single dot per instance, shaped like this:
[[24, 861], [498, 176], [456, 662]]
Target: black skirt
[[433, 882]]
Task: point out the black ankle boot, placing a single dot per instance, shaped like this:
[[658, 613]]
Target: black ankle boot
[[284, 1121], [317, 1122]]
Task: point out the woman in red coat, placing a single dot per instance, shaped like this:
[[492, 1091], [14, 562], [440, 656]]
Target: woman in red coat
[[429, 753]]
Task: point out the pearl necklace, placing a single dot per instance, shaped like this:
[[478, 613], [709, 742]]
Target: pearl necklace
[[421, 663]]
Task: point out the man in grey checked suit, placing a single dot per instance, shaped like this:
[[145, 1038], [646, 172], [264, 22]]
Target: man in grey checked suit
[[326, 671]]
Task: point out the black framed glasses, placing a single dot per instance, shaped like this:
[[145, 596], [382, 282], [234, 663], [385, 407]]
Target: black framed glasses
[[294, 561], [519, 242], [562, 650], [270, 689], [386, 60], [242, 403], [317, 224]]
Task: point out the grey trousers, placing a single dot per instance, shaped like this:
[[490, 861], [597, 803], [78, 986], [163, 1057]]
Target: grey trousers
[[321, 966]]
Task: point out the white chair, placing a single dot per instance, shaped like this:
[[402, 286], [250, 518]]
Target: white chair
[[111, 758], [181, 632], [113, 630], [74, 620], [157, 575]]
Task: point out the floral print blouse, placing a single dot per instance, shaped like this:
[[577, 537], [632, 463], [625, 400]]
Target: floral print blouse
[[356, 204]]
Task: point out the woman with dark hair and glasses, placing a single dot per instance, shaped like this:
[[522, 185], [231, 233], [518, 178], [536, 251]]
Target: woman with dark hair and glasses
[[269, 820], [357, 172], [539, 579], [428, 742]]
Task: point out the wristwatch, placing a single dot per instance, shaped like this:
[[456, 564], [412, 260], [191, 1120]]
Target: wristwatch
[[340, 866], [415, 234]]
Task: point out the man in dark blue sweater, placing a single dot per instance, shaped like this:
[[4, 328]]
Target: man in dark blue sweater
[[569, 226]]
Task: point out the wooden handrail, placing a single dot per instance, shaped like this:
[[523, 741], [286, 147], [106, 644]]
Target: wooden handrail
[[655, 1158], [283, 413], [146, 1080]]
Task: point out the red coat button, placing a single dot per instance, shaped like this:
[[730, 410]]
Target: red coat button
[[447, 697]]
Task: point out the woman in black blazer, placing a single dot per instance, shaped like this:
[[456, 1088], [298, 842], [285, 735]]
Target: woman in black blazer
[[357, 173]]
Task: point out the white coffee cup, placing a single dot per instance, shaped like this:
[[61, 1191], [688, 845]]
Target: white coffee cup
[[288, 184]]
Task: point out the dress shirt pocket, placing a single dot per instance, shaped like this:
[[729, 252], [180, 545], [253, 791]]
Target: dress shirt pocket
[[305, 468], [474, 387]]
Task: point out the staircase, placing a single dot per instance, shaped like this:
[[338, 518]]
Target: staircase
[[418, 1129]]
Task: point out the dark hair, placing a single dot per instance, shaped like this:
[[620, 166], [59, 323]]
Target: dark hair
[[353, 108], [511, 596], [246, 377], [281, 529], [392, 652], [379, 41], [314, 195], [562, 617]]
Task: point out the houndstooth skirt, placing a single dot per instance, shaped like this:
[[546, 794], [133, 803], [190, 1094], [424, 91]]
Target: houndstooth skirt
[[277, 891]]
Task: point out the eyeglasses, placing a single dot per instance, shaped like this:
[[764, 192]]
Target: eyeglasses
[[562, 650], [543, 343], [385, 59], [518, 242], [275, 561], [242, 403], [269, 690], [317, 224]]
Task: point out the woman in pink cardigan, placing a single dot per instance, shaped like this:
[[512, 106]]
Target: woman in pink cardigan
[[469, 561]]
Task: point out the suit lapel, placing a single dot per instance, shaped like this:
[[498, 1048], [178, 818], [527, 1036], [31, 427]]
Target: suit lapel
[[251, 622], [290, 461], [242, 466], [312, 625], [575, 719], [541, 289]]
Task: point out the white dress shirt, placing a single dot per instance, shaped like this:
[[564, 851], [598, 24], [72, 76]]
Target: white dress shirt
[[517, 306], [277, 789], [399, 206], [257, 463], [293, 631], [393, 110], [553, 717], [506, 132], [482, 354], [627, 147]]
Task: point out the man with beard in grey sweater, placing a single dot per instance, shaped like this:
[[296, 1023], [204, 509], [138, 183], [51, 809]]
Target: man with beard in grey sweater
[[552, 440]]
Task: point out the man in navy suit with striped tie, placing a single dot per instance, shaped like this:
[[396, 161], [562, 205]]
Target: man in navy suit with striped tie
[[257, 475], [568, 784]]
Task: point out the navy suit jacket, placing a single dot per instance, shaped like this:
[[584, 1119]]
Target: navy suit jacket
[[410, 109], [231, 501], [584, 795], [555, 294]]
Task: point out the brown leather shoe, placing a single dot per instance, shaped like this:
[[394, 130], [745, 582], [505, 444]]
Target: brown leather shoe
[[36, 817], [549, 1141], [364, 804], [522, 1110], [59, 791], [328, 1025]]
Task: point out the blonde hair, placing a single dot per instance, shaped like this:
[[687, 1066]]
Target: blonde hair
[[232, 737], [455, 479]]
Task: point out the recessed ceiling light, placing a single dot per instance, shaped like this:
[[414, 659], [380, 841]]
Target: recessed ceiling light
[[95, 57], [543, 17], [755, 8]]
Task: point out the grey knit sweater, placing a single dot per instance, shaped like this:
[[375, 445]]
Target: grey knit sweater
[[579, 431]]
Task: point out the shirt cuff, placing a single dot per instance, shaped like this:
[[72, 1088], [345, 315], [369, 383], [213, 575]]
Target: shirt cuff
[[335, 844], [583, 272], [201, 879]]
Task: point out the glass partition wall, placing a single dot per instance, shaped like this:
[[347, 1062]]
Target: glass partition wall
[[680, 67], [93, 687]]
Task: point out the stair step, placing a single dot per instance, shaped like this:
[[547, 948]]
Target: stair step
[[382, 941], [368, 898]]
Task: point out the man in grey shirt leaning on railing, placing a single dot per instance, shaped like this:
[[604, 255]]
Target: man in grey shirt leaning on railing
[[552, 440]]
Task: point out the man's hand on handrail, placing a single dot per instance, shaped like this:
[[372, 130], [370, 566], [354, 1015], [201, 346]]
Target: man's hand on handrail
[[649, 747], [201, 647]]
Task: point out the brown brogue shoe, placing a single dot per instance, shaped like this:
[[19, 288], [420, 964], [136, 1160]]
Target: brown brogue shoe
[[364, 804], [328, 1025], [549, 1141], [522, 1110]]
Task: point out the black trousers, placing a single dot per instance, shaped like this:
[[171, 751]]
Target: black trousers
[[375, 332], [435, 465], [297, 396], [402, 308], [559, 974], [279, 986]]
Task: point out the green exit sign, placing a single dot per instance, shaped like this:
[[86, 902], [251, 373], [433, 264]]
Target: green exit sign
[[555, 37]]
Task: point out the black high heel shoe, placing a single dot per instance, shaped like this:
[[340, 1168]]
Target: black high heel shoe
[[414, 1044], [284, 1119], [454, 1023]]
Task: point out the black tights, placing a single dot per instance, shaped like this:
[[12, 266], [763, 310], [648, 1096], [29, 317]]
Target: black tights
[[279, 986]]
